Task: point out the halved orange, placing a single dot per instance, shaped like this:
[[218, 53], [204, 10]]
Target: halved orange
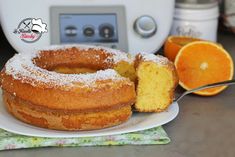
[[174, 43], [202, 62]]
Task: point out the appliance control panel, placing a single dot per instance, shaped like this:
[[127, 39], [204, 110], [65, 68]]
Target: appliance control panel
[[88, 28], [90, 25]]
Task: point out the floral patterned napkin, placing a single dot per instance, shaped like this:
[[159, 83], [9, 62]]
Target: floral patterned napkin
[[151, 136]]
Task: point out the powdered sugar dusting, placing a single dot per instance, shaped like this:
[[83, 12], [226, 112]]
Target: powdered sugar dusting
[[156, 59], [21, 67]]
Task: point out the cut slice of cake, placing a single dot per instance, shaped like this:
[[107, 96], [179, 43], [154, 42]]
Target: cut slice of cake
[[157, 80]]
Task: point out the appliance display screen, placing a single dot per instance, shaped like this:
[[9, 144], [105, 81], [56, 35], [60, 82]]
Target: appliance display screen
[[88, 28]]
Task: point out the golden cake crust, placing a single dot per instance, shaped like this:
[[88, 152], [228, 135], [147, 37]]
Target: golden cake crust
[[62, 120], [32, 79]]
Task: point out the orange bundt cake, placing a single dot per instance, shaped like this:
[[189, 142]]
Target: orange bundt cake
[[157, 80], [43, 88]]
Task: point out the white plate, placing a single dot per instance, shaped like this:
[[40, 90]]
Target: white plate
[[138, 122]]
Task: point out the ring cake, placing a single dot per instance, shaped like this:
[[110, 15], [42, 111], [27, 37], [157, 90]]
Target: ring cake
[[70, 87]]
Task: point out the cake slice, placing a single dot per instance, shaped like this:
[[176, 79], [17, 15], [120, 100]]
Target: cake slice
[[157, 80]]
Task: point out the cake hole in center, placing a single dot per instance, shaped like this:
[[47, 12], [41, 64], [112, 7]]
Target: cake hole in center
[[73, 70]]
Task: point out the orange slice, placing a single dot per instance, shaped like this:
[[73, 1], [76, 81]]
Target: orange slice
[[202, 62], [174, 43]]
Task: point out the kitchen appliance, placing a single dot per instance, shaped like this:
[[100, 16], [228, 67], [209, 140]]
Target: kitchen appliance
[[130, 25]]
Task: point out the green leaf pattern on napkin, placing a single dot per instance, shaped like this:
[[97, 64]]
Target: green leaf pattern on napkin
[[151, 136]]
